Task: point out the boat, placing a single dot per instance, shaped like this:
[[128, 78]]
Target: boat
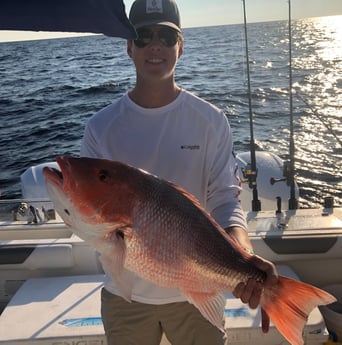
[[50, 280]]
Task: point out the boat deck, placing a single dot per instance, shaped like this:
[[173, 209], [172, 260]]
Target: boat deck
[[66, 310]]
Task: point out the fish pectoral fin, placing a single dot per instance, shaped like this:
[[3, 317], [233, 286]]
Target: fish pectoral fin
[[211, 306], [122, 278], [113, 256]]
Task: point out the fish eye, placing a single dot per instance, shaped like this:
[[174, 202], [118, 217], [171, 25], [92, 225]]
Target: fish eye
[[120, 234], [104, 176]]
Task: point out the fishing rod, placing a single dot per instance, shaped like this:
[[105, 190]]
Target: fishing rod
[[293, 202], [250, 172]]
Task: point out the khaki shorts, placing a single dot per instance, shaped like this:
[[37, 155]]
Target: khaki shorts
[[143, 324]]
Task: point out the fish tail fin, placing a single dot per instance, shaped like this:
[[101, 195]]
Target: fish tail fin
[[289, 304]]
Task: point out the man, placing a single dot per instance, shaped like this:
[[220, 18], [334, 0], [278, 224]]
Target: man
[[161, 128]]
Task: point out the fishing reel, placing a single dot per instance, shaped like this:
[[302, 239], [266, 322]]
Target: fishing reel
[[289, 178], [249, 175], [287, 173]]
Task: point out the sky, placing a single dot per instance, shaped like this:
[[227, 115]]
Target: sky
[[220, 12]]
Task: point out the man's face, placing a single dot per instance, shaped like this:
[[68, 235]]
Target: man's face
[[156, 52]]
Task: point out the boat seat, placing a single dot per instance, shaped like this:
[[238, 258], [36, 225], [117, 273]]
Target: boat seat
[[35, 257]]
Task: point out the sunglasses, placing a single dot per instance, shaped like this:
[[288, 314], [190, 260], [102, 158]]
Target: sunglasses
[[167, 37]]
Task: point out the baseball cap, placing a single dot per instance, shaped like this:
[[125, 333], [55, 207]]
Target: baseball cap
[[155, 12]]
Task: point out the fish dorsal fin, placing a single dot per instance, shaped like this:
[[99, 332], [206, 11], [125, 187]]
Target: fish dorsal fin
[[211, 306], [194, 201], [188, 195]]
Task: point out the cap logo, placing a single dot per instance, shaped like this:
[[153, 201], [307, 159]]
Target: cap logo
[[153, 6]]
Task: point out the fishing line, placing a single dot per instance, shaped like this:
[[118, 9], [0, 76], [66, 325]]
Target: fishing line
[[325, 123], [243, 53]]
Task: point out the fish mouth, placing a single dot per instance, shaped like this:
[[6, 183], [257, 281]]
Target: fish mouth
[[57, 177]]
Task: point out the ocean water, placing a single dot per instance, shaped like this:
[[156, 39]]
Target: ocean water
[[50, 87]]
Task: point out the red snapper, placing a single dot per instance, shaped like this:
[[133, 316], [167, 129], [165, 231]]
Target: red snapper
[[159, 231]]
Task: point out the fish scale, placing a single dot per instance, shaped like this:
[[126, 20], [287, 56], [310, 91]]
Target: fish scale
[[178, 261]]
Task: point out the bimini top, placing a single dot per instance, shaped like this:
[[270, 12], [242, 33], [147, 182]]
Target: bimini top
[[94, 16]]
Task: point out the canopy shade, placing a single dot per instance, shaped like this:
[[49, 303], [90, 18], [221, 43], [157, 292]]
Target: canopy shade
[[94, 16]]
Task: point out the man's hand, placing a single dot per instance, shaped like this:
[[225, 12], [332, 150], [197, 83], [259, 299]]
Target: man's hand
[[250, 293]]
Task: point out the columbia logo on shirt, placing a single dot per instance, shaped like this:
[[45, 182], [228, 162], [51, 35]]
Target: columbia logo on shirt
[[190, 147]]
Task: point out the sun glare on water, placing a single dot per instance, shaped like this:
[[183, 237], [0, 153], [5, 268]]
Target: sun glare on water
[[330, 29], [317, 70]]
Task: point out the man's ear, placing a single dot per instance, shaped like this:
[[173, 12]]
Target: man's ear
[[180, 48]]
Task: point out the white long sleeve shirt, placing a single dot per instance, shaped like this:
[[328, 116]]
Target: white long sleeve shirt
[[188, 142]]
